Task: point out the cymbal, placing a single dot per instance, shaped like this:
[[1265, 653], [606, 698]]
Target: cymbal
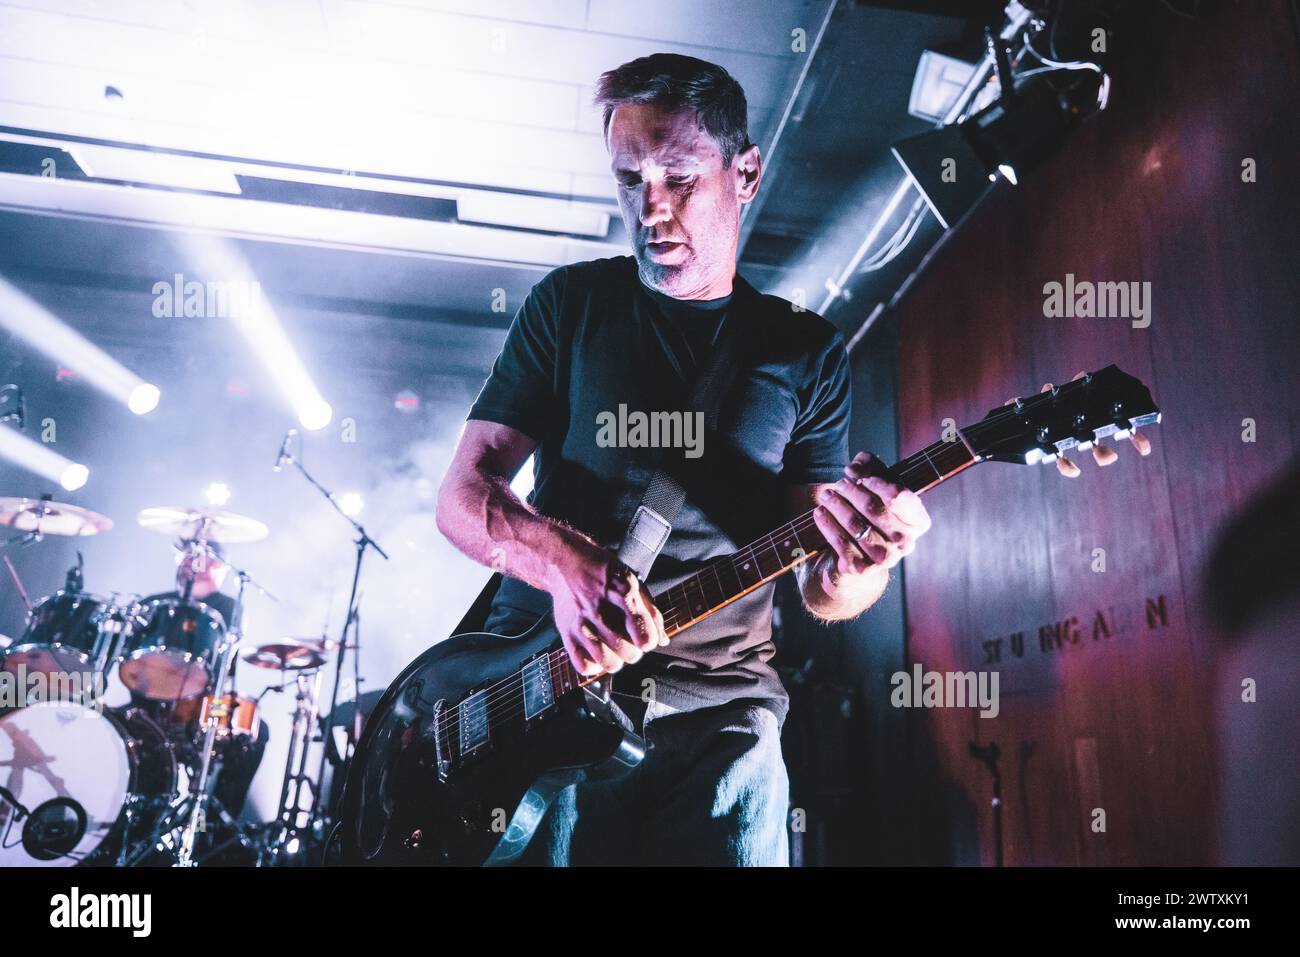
[[318, 643], [211, 524], [51, 518], [284, 657]]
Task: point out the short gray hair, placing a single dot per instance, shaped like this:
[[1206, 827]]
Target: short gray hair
[[678, 82]]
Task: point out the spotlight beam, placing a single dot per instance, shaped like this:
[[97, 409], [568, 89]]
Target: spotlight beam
[[256, 321], [39, 328], [37, 457]]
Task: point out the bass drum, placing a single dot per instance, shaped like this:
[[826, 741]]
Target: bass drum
[[92, 782]]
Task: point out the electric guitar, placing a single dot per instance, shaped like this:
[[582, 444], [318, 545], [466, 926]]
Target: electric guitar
[[467, 749]]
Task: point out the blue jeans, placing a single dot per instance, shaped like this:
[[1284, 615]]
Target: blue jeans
[[713, 790]]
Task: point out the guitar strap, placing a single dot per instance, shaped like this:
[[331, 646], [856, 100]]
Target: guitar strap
[[652, 522]]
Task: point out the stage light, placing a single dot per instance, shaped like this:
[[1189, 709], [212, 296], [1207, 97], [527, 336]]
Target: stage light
[[217, 493], [143, 398], [315, 414], [40, 458], [74, 477], [938, 83], [75, 354], [351, 504], [157, 169], [256, 321], [1006, 138], [532, 212]]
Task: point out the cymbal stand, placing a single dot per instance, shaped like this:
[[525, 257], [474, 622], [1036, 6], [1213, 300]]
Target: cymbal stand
[[288, 826], [198, 819]]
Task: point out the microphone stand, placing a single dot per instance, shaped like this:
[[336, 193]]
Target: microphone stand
[[989, 755], [363, 541]]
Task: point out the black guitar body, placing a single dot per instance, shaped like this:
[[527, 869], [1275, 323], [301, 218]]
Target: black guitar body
[[412, 796]]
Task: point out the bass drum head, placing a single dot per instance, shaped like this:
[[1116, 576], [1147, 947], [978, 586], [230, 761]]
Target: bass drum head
[[71, 768]]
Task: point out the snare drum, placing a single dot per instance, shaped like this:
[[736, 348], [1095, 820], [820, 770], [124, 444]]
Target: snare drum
[[236, 715], [172, 655]]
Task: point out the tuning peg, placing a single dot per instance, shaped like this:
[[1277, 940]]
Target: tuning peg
[[1066, 467], [1104, 455], [1140, 442]]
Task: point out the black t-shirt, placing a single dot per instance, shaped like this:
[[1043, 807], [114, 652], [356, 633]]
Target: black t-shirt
[[592, 344]]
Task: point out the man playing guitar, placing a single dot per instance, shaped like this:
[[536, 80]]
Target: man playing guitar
[[635, 332]]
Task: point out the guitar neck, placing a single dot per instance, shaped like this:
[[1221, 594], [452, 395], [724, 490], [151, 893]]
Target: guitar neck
[[733, 576]]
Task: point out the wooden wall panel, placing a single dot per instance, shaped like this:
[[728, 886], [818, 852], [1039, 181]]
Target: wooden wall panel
[[1149, 191]]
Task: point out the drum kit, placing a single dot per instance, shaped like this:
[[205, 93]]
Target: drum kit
[[83, 783]]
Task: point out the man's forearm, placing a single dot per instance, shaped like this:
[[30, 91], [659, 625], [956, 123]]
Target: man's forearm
[[833, 597], [482, 516]]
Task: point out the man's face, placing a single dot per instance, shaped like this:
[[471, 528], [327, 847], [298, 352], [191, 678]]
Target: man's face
[[680, 204], [206, 572]]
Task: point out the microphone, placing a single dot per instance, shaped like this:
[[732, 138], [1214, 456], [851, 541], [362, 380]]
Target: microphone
[[284, 450], [75, 580], [54, 829]]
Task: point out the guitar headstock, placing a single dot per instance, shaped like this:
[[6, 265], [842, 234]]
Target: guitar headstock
[[1099, 405]]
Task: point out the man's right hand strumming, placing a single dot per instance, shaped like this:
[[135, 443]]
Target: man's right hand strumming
[[604, 615]]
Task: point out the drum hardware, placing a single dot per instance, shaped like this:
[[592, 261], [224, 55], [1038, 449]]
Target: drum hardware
[[318, 823], [198, 811], [291, 830], [18, 583], [200, 546]]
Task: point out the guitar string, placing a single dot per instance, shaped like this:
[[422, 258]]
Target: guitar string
[[496, 702]]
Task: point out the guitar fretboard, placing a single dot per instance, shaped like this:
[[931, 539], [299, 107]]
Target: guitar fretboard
[[733, 576]]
